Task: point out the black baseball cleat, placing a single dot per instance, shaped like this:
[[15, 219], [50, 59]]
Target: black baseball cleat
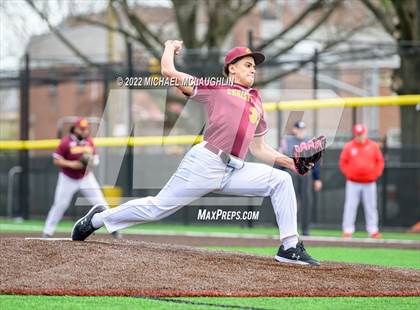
[[83, 227], [296, 255]]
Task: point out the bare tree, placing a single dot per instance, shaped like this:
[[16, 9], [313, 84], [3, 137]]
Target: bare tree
[[220, 16], [60, 36], [401, 19]]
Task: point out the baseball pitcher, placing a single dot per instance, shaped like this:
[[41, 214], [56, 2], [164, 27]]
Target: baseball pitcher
[[235, 125]]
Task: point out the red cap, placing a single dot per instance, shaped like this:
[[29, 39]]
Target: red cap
[[240, 51], [82, 123], [359, 129]]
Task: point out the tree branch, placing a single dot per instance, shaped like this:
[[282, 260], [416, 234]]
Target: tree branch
[[141, 28], [326, 47], [404, 19], [120, 23], [105, 25], [244, 9], [60, 36], [116, 14], [416, 23], [186, 15], [222, 16], [380, 16], [320, 21], [313, 7]]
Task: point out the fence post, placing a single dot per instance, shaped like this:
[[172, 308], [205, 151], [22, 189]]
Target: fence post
[[384, 184], [315, 89], [250, 224], [24, 135], [130, 72], [105, 120], [314, 202]]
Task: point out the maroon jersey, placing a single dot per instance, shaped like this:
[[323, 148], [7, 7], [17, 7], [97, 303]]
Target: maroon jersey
[[71, 148], [234, 116]]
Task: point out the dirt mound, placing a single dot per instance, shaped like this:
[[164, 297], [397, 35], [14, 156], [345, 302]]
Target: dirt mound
[[242, 241], [123, 267]]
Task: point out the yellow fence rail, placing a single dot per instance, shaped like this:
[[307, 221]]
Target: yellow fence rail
[[191, 139], [342, 102], [102, 142]]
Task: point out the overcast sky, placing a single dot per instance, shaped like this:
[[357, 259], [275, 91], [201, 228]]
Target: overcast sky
[[18, 22]]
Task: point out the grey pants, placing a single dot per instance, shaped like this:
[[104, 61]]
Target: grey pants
[[355, 191]]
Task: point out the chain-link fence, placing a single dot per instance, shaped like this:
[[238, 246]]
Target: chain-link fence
[[38, 103]]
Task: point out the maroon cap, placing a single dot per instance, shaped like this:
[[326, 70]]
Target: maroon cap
[[240, 51], [81, 123], [359, 129]]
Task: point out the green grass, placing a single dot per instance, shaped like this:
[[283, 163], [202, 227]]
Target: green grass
[[404, 258], [65, 226], [55, 302]]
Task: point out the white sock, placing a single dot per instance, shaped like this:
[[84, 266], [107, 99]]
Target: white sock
[[97, 220], [290, 242]]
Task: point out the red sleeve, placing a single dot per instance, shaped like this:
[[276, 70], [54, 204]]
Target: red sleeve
[[261, 127], [202, 91], [62, 149], [344, 160], [379, 161]]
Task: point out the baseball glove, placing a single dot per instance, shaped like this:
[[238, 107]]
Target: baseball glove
[[85, 159], [307, 154]]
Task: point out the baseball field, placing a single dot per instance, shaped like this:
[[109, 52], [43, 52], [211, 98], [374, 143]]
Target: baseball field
[[203, 267]]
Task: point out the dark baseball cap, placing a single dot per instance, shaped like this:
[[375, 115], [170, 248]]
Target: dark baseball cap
[[300, 125], [239, 52]]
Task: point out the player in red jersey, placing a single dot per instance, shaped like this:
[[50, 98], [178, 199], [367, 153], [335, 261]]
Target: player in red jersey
[[235, 124], [73, 155]]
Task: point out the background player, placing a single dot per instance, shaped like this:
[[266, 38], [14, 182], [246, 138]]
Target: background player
[[235, 124], [362, 163], [303, 184], [73, 155]]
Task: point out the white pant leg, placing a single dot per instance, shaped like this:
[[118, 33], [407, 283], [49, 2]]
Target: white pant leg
[[262, 180], [92, 191], [199, 173], [369, 196], [66, 188], [353, 191]]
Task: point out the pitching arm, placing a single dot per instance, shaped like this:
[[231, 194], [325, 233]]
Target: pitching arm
[[172, 48]]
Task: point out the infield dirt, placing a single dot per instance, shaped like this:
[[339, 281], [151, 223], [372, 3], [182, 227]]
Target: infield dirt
[[125, 267]]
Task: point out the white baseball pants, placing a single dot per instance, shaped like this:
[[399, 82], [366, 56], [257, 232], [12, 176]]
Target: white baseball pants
[[66, 188], [355, 191], [201, 172]]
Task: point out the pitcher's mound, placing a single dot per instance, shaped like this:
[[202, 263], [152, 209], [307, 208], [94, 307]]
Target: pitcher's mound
[[149, 269]]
